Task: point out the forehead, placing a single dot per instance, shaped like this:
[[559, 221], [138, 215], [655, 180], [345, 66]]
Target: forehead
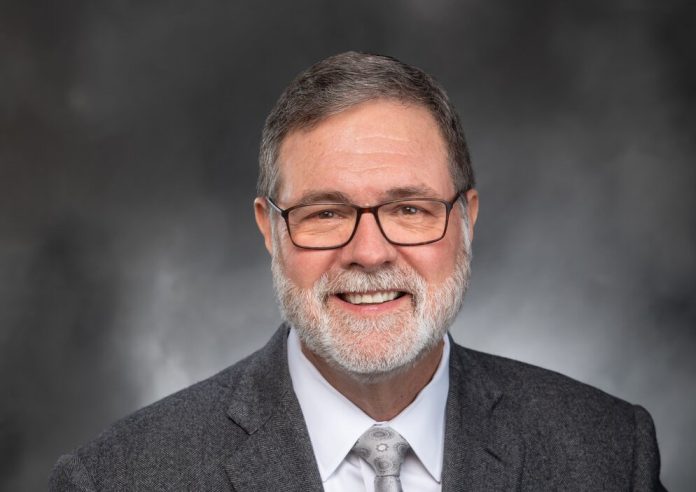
[[363, 152]]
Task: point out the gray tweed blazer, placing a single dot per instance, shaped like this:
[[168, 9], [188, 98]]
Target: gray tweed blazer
[[509, 426]]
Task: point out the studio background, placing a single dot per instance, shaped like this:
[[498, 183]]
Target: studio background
[[130, 265]]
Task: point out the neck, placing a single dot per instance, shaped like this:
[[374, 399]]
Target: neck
[[387, 397]]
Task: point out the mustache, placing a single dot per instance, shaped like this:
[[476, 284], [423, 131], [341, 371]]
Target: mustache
[[393, 278]]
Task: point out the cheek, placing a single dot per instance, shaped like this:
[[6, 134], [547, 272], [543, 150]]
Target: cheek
[[434, 266], [304, 267], [435, 262]]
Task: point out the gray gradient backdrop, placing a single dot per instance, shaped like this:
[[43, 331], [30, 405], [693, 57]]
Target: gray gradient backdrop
[[130, 265]]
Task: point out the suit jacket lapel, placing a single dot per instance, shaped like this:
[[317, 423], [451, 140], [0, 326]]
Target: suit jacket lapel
[[482, 451], [278, 454]]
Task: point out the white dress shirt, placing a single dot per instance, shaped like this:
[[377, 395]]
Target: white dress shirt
[[335, 424]]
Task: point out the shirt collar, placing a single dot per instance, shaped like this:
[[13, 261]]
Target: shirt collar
[[422, 423]]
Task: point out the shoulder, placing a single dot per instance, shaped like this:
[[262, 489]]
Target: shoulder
[[538, 394], [171, 441], [177, 417], [520, 378], [566, 427]]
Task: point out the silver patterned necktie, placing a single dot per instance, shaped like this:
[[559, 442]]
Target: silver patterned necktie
[[384, 450]]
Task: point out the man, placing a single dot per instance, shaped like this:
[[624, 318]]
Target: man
[[367, 206]]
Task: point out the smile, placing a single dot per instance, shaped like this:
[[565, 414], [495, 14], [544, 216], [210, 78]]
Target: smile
[[371, 297]]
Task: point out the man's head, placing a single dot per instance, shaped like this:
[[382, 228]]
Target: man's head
[[348, 79], [364, 130]]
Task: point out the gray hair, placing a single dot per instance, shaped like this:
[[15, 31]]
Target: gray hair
[[347, 79]]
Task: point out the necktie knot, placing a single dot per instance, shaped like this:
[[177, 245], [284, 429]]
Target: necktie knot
[[384, 450]]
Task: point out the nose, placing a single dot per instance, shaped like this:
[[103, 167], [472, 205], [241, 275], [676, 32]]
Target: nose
[[368, 249]]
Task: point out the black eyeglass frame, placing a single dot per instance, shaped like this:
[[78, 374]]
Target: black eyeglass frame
[[371, 210]]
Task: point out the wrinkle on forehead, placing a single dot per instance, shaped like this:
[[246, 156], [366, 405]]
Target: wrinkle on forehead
[[377, 143]]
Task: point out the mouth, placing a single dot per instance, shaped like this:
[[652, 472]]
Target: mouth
[[377, 297]]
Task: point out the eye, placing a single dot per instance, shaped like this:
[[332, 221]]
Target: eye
[[325, 214], [409, 210]]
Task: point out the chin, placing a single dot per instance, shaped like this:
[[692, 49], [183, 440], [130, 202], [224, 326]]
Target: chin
[[373, 373], [371, 350]]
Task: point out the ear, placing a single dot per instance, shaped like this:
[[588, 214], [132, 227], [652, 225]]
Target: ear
[[472, 208], [263, 221]]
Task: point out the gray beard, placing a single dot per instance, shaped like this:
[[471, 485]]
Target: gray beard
[[374, 348]]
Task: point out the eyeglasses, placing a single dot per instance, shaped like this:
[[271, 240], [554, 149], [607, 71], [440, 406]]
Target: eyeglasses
[[408, 222]]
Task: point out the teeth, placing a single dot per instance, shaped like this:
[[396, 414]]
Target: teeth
[[373, 298]]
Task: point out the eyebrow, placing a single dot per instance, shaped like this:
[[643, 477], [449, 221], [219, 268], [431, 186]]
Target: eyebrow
[[334, 196], [418, 191], [317, 196]]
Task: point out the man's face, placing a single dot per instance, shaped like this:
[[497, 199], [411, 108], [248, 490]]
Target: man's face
[[370, 153]]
